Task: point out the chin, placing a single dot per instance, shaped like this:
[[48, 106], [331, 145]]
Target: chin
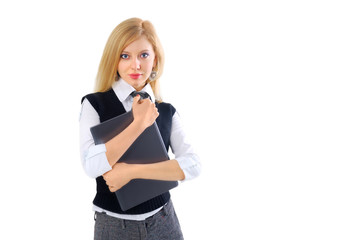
[[137, 83]]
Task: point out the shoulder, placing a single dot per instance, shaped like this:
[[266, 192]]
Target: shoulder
[[165, 107], [96, 95], [97, 98]]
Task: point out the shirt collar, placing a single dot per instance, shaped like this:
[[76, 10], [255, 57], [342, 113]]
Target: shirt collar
[[122, 90]]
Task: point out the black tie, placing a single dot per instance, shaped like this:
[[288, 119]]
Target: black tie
[[143, 95]]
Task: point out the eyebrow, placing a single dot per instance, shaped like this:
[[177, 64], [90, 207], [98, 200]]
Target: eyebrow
[[145, 50]]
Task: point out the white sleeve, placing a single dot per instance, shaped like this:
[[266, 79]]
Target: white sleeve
[[183, 150], [93, 156]]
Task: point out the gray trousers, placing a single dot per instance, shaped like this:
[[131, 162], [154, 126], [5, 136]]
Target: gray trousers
[[164, 225]]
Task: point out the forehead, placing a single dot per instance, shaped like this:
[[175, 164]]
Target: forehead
[[139, 45]]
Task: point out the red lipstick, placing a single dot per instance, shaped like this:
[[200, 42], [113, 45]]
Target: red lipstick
[[135, 75]]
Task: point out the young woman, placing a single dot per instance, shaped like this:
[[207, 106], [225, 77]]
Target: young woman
[[133, 61]]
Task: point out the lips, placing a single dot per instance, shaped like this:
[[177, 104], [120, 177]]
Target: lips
[[135, 75]]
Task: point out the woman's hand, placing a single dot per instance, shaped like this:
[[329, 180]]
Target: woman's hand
[[144, 111], [119, 176]]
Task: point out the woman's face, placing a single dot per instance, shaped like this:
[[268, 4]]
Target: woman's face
[[136, 63]]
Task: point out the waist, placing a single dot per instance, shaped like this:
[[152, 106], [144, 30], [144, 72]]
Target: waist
[[165, 210], [133, 217]]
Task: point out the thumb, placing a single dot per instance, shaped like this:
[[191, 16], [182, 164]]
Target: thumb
[[136, 99]]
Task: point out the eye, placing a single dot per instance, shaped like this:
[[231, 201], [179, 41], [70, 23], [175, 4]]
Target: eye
[[124, 56], [144, 55]]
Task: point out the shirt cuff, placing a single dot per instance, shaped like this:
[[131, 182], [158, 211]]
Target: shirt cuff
[[190, 165], [96, 162]]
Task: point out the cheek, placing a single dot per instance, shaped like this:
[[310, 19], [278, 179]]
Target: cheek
[[148, 65], [121, 67]]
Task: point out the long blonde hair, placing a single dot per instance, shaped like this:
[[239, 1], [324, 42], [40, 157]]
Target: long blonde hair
[[124, 34]]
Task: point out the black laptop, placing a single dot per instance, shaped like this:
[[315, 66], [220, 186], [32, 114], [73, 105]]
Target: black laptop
[[147, 148]]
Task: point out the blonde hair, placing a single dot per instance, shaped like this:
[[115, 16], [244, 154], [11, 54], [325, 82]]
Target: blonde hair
[[124, 34]]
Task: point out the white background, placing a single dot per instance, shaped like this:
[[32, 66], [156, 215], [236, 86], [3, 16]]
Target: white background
[[261, 87]]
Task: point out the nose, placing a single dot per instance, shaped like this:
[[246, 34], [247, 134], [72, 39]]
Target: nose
[[135, 64]]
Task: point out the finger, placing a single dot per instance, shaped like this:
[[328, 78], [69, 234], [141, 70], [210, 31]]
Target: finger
[[146, 100], [136, 99], [155, 109], [105, 175], [105, 178]]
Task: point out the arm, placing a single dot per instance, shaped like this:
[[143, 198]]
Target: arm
[[93, 156], [183, 150], [185, 166], [118, 145], [122, 173], [168, 171], [99, 159], [145, 114]]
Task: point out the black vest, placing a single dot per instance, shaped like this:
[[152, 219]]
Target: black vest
[[108, 106]]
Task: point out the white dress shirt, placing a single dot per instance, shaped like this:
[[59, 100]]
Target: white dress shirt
[[93, 156]]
